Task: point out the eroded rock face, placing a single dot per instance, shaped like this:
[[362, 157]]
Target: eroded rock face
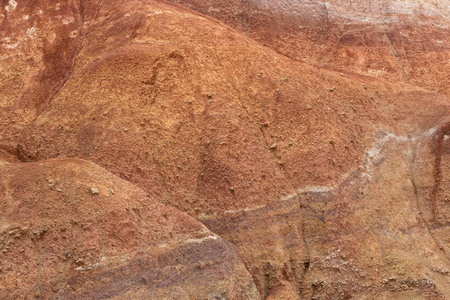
[[395, 40], [430, 175], [59, 240], [314, 175]]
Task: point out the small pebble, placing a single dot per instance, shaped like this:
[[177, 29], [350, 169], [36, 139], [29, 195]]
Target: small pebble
[[94, 191]]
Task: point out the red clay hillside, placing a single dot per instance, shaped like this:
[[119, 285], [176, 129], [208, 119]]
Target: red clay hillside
[[225, 149]]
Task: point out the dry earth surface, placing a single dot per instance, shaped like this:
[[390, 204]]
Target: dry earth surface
[[72, 230], [224, 149]]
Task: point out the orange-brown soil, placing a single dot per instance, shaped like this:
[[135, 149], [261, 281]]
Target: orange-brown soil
[[72, 230], [394, 40], [329, 177]]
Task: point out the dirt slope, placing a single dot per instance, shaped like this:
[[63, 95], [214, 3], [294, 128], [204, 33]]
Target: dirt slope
[[72, 230], [405, 41], [321, 179]]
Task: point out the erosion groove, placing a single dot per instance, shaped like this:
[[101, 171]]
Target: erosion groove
[[442, 132], [397, 57]]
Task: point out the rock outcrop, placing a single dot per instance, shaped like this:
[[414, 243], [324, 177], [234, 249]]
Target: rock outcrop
[[330, 183]]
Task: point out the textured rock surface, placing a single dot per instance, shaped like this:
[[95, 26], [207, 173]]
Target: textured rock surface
[[331, 184], [57, 240], [396, 40]]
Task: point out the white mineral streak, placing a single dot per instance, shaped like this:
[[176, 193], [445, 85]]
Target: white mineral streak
[[12, 5], [372, 155], [31, 32]]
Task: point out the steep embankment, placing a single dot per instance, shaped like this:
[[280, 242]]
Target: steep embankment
[[311, 174]]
